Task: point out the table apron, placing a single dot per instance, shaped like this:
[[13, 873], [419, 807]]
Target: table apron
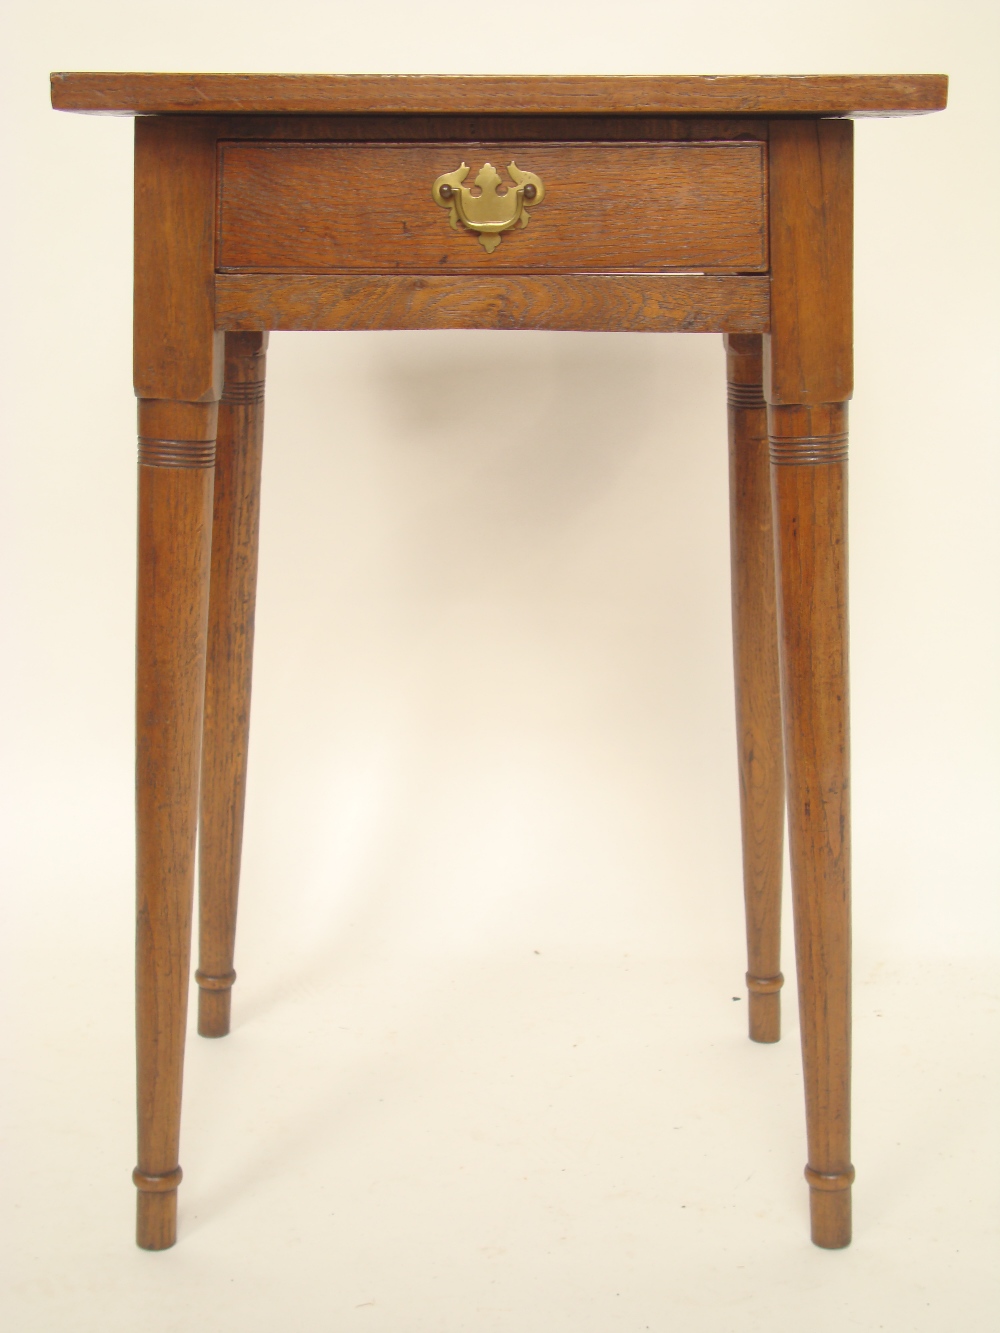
[[592, 302]]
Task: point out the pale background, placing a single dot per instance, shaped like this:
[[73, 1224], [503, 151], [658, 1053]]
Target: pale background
[[487, 1071]]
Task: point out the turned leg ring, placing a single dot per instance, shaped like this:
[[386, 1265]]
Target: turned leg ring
[[159, 1183], [765, 985], [830, 1180], [207, 982]]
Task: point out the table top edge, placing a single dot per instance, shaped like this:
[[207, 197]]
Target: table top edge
[[124, 93]]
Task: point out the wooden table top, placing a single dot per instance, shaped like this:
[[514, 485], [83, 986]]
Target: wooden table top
[[444, 94]]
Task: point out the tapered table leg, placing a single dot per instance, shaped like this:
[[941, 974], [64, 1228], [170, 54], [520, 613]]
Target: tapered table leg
[[235, 530], [809, 478], [808, 379], [758, 690], [176, 458]]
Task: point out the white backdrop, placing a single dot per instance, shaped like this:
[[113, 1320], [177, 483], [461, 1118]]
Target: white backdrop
[[492, 701]]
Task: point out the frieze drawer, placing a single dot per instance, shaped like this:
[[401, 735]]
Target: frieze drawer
[[605, 207]]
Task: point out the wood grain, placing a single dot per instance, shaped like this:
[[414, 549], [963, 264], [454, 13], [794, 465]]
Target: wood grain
[[678, 303], [827, 94], [760, 750], [808, 357], [810, 508], [175, 525], [413, 128], [235, 537], [177, 351], [331, 208], [808, 375]]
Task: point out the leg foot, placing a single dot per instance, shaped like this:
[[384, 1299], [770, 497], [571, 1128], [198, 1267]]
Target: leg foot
[[156, 1209], [215, 995], [765, 1007], [156, 1221], [830, 1208], [214, 1013]]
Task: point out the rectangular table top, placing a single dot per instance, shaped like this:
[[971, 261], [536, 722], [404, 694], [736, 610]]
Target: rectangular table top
[[488, 94]]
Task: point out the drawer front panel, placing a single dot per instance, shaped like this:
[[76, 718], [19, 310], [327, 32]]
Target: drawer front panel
[[610, 207]]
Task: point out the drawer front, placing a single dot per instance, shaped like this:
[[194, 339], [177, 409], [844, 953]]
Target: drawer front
[[607, 207]]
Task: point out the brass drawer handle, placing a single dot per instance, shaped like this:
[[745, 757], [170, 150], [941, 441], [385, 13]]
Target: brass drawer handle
[[490, 212]]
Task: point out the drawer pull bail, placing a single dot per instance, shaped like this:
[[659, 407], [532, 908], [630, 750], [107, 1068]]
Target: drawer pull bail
[[490, 212]]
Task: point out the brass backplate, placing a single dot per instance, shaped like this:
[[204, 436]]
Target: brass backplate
[[491, 211]]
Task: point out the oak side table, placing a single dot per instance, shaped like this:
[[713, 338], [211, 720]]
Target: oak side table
[[715, 205]]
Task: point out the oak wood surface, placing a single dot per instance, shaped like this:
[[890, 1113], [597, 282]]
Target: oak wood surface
[[323, 207], [810, 508], [177, 351], [417, 128], [175, 525], [178, 377], [808, 376], [235, 538], [808, 357], [760, 749], [669, 303], [822, 94]]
